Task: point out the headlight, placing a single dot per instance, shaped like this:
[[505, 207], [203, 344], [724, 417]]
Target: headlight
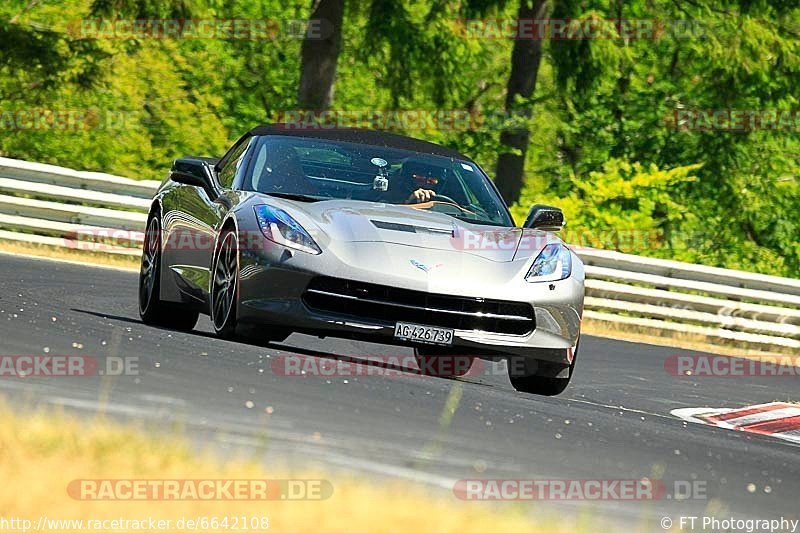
[[279, 227], [552, 264]]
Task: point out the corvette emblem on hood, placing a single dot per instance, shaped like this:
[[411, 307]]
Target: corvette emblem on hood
[[425, 268]]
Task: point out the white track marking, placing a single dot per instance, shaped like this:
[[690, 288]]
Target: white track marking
[[768, 412], [761, 417], [98, 407]]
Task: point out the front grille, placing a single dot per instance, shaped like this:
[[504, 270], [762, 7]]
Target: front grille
[[390, 304]]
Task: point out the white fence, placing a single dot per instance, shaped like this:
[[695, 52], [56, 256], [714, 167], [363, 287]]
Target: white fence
[[55, 206]]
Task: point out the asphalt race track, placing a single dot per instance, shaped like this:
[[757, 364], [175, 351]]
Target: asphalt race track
[[613, 422]]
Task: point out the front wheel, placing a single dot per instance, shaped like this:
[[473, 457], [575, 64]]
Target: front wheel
[[225, 286], [225, 297], [152, 310], [540, 377], [542, 386]]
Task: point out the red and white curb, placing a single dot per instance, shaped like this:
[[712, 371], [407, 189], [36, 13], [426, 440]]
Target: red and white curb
[[776, 419]]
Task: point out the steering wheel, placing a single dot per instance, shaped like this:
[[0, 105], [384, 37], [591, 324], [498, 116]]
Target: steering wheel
[[442, 197], [430, 204]]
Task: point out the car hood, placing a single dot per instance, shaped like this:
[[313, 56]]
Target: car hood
[[344, 221]]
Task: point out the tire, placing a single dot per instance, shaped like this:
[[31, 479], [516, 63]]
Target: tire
[[543, 385], [152, 310], [440, 363], [224, 298]]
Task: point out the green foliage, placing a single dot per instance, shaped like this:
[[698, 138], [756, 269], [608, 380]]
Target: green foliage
[[604, 142], [36, 59], [143, 9], [617, 98], [625, 206]]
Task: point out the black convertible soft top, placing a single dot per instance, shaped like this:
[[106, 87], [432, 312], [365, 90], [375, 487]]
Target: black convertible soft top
[[362, 136]]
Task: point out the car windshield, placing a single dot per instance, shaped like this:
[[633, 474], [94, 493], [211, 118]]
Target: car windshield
[[315, 170]]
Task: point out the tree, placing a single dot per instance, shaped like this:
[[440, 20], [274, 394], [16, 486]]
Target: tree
[[621, 98], [319, 55], [525, 59], [35, 58]]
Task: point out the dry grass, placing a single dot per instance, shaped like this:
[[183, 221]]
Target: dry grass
[[69, 255], [40, 453], [678, 339]]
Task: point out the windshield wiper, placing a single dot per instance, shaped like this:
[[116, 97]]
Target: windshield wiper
[[298, 197]]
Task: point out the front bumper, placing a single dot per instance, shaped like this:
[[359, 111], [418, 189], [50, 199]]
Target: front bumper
[[275, 281]]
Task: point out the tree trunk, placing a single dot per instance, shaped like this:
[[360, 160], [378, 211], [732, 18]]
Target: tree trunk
[[319, 55], [525, 59]]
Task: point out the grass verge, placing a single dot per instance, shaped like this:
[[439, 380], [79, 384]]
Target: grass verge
[[122, 262], [41, 452], [678, 339]]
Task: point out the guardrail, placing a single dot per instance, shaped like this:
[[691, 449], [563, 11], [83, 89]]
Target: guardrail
[[55, 206], [760, 311]]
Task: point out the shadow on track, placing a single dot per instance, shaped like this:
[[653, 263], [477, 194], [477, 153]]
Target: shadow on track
[[253, 340]]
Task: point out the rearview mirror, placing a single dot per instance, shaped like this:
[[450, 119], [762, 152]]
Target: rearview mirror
[[193, 171], [545, 217]]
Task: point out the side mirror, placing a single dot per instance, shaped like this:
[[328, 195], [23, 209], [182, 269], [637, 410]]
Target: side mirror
[[545, 217], [193, 171]]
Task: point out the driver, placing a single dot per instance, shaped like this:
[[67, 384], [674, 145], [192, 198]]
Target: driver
[[418, 182]]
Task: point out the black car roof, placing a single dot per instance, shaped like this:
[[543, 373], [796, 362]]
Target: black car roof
[[362, 136]]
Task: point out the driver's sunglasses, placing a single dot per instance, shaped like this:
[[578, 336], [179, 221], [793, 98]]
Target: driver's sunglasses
[[423, 180]]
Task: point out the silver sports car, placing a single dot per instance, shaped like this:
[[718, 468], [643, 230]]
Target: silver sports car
[[366, 235]]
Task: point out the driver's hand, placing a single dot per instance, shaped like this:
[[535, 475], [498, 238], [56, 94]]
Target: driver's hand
[[421, 195]]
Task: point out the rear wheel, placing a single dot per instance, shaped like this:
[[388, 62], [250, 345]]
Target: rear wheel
[[539, 377], [440, 363], [151, 309]]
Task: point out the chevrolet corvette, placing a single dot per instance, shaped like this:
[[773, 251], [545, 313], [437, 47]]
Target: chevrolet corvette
[[364, 235]]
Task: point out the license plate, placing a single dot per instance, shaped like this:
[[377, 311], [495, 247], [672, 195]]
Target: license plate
[[424, 334]]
